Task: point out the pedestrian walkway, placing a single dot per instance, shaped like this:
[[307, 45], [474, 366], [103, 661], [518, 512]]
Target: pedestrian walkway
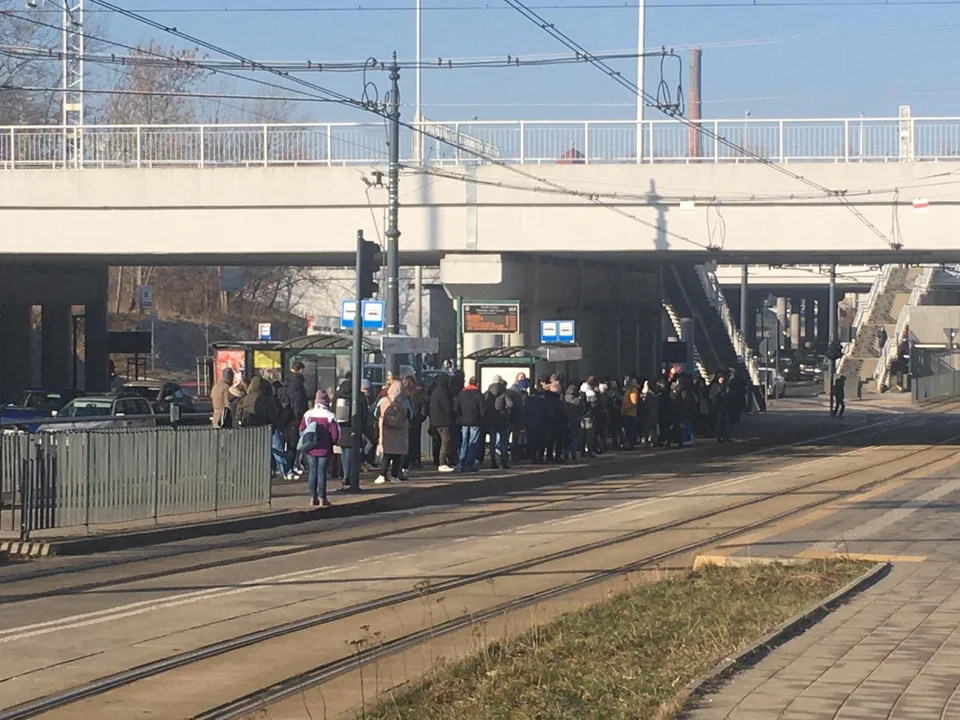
[[894, 650]]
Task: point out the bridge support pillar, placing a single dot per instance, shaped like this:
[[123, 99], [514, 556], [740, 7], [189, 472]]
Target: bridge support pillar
[[823, 319], [56, 349], [795, 324], [16, 362], [96, 358], [809, 323]]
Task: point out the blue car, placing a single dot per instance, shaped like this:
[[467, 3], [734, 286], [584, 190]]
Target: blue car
[[35, 406]]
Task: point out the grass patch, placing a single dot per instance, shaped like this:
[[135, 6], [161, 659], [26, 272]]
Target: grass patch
[[626, 658]]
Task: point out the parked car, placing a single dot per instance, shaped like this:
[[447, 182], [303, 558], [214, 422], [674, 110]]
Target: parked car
[[116, 412], [36, 405], [775, 383], [160, 395]]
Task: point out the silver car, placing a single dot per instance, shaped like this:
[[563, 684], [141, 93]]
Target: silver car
[[96, 412]]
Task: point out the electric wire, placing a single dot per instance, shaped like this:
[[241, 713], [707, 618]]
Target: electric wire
[[370, 107], [673, 110]]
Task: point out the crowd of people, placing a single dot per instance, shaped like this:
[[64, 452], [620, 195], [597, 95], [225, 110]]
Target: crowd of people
[[538, 421]]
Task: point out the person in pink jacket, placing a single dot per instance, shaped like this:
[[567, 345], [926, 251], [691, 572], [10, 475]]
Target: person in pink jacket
[[319, 432]]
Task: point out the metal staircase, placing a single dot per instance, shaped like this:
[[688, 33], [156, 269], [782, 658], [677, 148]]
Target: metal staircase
[[891, 348]]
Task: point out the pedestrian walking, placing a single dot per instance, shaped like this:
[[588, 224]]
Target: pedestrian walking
[[319, 432], [837, 404]]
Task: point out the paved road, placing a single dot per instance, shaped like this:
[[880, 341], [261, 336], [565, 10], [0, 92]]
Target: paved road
[[894, 651], [73, 621]]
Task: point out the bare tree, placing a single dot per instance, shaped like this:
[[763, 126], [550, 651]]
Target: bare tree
[[21, 67]]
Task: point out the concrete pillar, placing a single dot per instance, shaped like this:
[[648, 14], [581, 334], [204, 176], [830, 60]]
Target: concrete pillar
[[795, 323], [823, 319], [16, 363], [782, 317], [443, 322], [809, 323], [56, 346], [96, 359]]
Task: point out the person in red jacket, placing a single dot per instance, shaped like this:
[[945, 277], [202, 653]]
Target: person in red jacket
[[317, 449]]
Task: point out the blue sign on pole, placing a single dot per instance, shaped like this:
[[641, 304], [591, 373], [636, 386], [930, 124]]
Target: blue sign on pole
[[373, 314], [558, 331]]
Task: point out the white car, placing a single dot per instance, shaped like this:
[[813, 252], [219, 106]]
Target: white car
[[86, 413], [775, 383]]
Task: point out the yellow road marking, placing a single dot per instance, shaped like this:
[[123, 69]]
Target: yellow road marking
[[867, 557]]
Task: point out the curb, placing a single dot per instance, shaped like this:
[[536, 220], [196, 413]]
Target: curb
[[787, 630]]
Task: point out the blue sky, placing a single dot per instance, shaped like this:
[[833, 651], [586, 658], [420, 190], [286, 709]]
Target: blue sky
[[808, 60]]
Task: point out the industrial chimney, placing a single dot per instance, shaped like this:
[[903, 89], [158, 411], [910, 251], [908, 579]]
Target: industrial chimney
[[694, 105]]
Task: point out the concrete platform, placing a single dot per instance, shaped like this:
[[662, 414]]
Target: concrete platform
[[893, 651]]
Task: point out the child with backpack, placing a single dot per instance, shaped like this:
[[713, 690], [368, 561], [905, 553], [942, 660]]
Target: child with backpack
[[319, 432]]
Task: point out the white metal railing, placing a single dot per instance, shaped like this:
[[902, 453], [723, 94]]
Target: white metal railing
[[892, 347], [711, 286], [521, 141], [678, 329], [865, 309]]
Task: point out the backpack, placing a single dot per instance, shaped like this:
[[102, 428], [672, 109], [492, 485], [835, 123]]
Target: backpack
[[504, 405], [313, 436], [394, 417]]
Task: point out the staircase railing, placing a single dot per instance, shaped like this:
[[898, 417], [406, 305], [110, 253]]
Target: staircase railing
[[678, 329], [892, 347], [711, 287]]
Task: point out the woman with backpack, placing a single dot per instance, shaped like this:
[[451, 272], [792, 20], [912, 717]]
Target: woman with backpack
[[319, 432], [394, 415]]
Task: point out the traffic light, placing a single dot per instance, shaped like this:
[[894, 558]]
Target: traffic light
[[368, 264], [834, 350]]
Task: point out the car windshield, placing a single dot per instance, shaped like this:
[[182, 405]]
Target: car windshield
[[43, 401], [145, 392], [88, 408]]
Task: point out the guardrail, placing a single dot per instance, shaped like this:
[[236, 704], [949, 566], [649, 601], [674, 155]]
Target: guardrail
[[96, 477], [892, 347], [534, 142], [932, 387], [711, 286]]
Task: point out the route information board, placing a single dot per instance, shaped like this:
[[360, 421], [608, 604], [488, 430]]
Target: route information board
[[502, 318]]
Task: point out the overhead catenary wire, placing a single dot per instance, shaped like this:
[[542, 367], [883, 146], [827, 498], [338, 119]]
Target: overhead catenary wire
[[375, 109], [671, 110]]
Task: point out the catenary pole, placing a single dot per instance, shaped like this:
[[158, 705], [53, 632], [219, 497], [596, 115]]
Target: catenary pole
[[393, 212]]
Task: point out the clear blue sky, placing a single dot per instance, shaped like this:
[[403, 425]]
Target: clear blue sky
[[819, 60]]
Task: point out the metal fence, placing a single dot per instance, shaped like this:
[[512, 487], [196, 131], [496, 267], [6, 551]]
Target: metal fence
[[534, 142], [941, 385], [98, 477]]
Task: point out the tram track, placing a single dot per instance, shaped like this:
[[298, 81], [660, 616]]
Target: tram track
[[112, 565], [330, 670]]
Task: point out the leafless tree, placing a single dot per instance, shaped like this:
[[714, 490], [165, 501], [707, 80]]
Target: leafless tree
[[18, 68]]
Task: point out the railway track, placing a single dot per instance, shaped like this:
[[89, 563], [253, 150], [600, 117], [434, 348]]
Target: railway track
[[341, 666]]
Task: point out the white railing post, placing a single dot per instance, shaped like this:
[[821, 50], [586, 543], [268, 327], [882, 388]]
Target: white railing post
[[139, 147], [586, 143], [782, 150], [846, 141], [456, 134], [202, 147], [330, 143], [523, 142], [13, 148], [716, 141], [266, 148], [653, 150]]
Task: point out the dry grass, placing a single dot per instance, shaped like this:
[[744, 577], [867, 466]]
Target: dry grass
[[625, 658]]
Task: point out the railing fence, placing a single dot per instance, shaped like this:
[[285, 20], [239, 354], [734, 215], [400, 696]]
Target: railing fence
[[97, 477], [532, 142]]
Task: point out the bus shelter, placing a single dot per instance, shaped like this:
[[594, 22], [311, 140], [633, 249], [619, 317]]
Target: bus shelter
[[534, 362]]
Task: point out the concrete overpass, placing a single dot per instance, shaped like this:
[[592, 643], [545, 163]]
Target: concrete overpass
[[260, 193]]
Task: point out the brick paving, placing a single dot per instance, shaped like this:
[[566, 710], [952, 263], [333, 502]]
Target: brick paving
[[893, 651]]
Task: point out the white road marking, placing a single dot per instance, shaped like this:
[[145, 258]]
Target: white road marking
[[875, 525]]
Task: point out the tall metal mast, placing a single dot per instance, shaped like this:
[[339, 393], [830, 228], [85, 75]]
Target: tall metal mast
[[71, 76]]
